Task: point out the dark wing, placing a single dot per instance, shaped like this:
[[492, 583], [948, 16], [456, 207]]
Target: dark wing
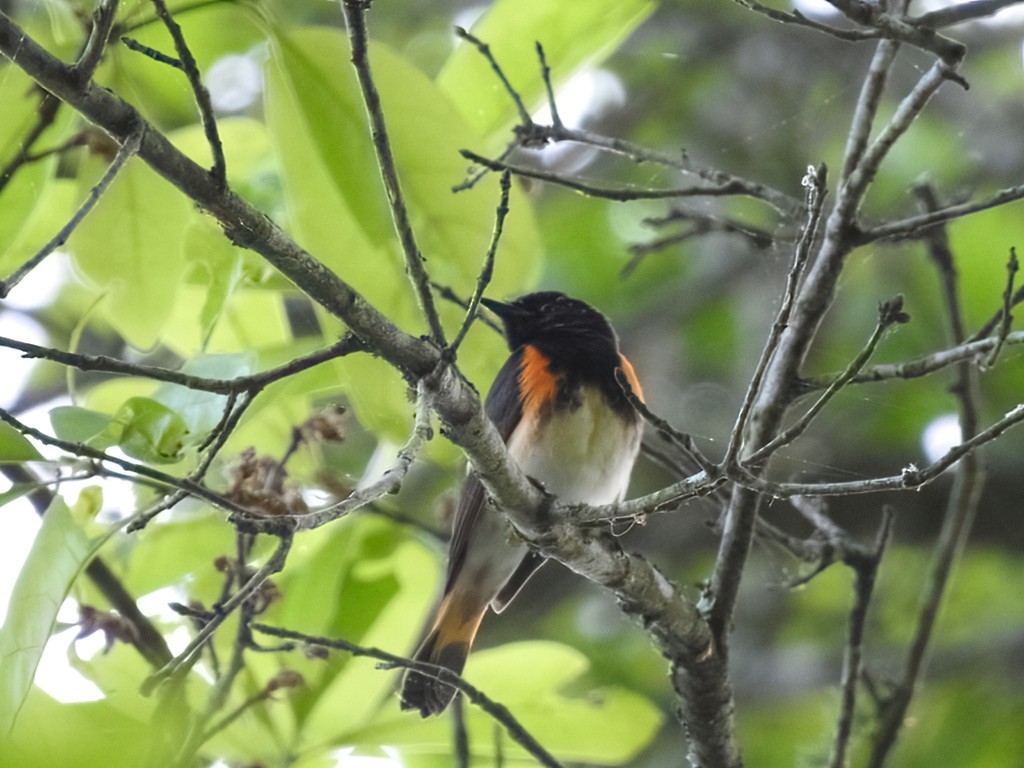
[[503, 407]]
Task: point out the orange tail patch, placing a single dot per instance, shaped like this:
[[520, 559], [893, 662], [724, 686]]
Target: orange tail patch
[[448, 646]]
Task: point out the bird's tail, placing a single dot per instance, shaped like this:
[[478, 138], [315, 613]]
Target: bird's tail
[[447, 646]]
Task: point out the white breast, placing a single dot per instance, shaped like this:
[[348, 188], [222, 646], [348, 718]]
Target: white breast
[[583, 454]]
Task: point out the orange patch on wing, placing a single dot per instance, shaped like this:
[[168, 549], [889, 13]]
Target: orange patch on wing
[[634, 382], [537, 385]]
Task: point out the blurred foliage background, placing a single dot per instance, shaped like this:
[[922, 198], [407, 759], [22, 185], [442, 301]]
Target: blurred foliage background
[[147, 278]]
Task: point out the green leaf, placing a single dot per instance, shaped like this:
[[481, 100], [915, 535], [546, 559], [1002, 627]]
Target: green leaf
[[130, 246], [91, 734], [149, 431], [571, 41], [15, 447], [201, 411], [80, 425], [58, 554], [403, 585]]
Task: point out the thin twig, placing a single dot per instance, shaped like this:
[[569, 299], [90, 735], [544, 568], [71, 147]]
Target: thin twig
[[990, 325], [496, 710], [355, 20], [273, 565], [199, 91], [124, 152], [46, 113], [866, 572], [1012, 267], [798, 19], [915, 225], [179, 9], [701, 224], [152, 53], [485, 51], [814, 182], [389, 483], [96, 44], [545, 74], [889, 313], [922, 366], [166, 480], [731, 188], [912, 476], [251, 383], [959, 516], [487, 271], [681, 440], [787, 205], [445, 292]]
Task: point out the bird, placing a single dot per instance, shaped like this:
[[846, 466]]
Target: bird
[[570, 427]]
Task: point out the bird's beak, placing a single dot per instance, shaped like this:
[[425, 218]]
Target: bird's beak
[[501, 309]]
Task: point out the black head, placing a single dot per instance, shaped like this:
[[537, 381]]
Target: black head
[[562, 327]]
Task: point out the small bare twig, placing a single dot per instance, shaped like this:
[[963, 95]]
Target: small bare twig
[[126, 150], [959, 516], [445, 292], [531, 134], [545, 74], [96, 44], [485, 51], [1012, 267], [867, 106], [894, 27], [863, 172], [681, 440], [865, 568], [700, 225], [162, 479], [497, 711], [798, 19], [889, 314], [273, 565], [202, 96], [914, 226], [46, 113], [152, 53], [911, 476], [487, 271], [390, 482], [922, 366], [814, 182], [355, 19], [252, 383], [731, 188]]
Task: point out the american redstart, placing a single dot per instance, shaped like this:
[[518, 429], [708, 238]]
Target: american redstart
[[567, 423]]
